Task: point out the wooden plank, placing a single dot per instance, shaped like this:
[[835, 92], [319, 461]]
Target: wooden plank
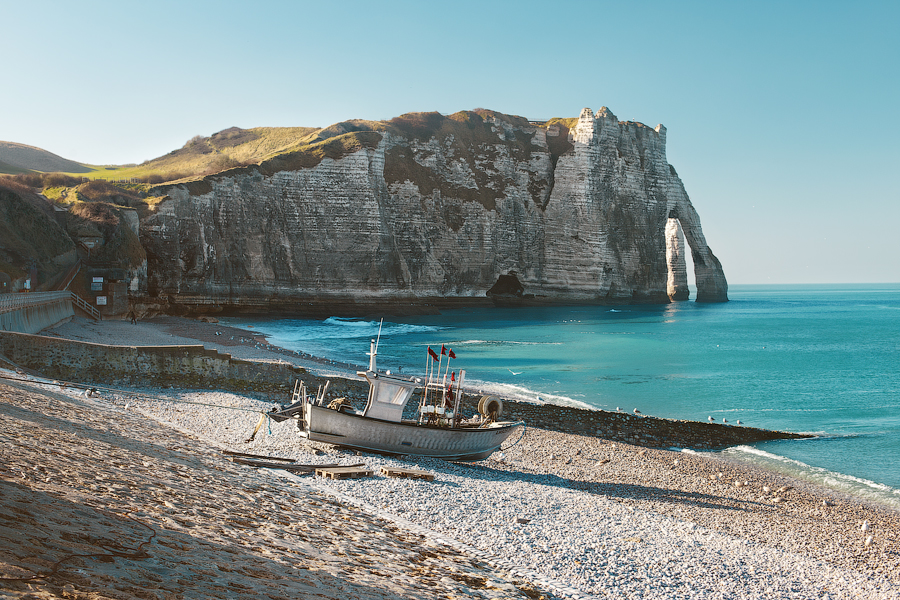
[[343, 472], [263, 464], [245, 455], [410, 473]]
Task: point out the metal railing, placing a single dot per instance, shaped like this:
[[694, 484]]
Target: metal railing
[[67, 280], [85, 306], [11, 302]]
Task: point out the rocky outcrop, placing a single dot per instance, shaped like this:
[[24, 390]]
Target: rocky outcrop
[[427, 208], [32, 243]]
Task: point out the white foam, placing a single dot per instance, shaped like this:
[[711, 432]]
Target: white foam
[[850, 484], [503, 343], [288, 331], [522, 394]]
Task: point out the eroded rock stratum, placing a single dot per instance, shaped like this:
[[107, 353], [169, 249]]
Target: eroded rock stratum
[[427, 207]]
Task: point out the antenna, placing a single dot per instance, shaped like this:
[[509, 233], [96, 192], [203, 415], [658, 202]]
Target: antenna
[[379, 334], [373, 347]]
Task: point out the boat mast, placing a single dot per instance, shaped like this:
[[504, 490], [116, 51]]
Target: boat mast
[[373, 347]]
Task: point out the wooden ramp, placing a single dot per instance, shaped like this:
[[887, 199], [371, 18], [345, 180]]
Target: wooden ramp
[[343, 472], [409, 473]]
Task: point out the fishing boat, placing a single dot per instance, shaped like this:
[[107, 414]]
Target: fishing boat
[[439, 431]]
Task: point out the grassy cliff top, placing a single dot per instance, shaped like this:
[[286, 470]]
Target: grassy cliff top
[[280, 147]]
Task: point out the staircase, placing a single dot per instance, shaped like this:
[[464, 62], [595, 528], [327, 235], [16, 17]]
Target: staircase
[[77, 300], [85, 306]]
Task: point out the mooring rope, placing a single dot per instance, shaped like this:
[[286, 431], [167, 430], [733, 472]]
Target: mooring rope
[[129, 393], [521, 435]]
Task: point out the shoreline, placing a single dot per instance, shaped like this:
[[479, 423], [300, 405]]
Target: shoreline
[[686, 505], [243, 343]]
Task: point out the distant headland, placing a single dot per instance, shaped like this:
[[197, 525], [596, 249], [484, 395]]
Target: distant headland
[[412, 214]]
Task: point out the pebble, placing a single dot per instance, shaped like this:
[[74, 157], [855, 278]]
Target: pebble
[[697, 537], [582, 513], [92, 480]]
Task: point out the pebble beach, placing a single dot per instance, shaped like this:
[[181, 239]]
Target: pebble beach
[[137, 478]]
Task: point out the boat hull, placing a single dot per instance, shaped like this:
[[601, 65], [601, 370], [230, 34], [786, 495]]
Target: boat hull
[[373, 435]]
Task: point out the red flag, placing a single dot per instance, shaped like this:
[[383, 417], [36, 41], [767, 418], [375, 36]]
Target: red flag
[[452, 355], [432, 353], [443, 350], [452, 377]]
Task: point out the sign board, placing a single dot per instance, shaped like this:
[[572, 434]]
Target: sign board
[[101, 300], [96, 284]]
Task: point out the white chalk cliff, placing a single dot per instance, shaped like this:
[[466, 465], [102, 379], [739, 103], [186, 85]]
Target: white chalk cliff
[[427, 207]]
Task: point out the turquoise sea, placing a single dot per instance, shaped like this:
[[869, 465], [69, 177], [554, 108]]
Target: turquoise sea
[[819, 359]]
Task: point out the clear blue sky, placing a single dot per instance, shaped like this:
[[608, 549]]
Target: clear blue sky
[[782, 116]]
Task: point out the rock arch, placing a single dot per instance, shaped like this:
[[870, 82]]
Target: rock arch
[[684, 223]]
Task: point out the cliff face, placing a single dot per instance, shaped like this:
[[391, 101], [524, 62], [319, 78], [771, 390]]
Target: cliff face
[[428, 207], [30, 235]]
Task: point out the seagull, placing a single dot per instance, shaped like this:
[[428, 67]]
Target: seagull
[[618, 409], [724, 420], [513, 372], [710, 419], [637, 412], [738, 421]]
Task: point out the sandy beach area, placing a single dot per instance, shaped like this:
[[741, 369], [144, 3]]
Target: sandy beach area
[[137, 479]]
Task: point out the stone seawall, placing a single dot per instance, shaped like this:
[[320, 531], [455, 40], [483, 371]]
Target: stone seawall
[[640, 430], [184, 366]]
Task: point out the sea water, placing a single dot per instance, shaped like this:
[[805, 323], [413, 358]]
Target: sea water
[[814, 359]]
